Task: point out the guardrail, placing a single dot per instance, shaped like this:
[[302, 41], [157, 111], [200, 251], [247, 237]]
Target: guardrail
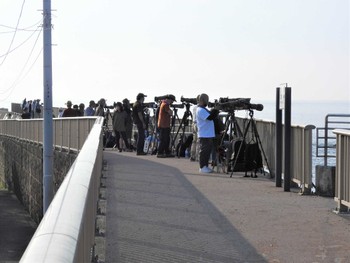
[[301, 147], [66, 233], [342, 171], [325, 141], [68, 133], [301, 163]]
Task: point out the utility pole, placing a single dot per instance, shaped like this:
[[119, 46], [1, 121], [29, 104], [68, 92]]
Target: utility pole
[[47, 121]]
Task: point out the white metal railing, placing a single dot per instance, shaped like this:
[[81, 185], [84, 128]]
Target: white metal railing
[[301, 147], [301, 156], [342, 171], [68, 133], [66, 232]]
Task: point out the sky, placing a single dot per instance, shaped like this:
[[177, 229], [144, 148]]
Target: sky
[[115, 49]]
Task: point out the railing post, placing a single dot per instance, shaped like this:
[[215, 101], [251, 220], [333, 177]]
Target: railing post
[[278, 142], [287, 139]]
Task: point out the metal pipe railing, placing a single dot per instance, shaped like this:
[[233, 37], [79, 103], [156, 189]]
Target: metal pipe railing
[[332, 122], [342, 171], [66, 233], [68, 133], [301, 147]]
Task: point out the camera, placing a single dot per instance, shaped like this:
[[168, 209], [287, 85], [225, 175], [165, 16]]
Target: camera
[[152, 105], [167, 96], [229, 105], [159, 98], [110, 107], [178, 106], [189, 100]]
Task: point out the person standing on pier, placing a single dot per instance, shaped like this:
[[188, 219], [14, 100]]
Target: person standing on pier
[[164, 120], [139, 120], [206, 132]]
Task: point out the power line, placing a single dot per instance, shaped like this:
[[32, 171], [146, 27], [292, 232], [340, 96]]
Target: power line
[[23, 29], [10, 51], [19, 79], [28, 71], [14, 34]]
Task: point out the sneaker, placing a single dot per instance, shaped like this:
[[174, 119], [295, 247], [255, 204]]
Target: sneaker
[[205, 170], [141, 153], [161, 155], [169, 155]]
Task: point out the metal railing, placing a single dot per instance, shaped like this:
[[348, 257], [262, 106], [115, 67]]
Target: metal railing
[[342, 171], [301, 147], [325, 140], [301, 163], [66, 233], [68, 133]]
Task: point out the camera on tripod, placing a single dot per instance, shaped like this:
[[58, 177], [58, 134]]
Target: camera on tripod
[[189, 100], [178, 106], [228, 104], [111, 107], [164, 97], [151, 105]]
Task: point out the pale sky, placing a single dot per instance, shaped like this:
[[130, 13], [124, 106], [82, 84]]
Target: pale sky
[[225, 48]]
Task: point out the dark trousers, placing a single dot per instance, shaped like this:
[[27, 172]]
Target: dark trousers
[[123, 135], [205, 148], [164, 140], [140, 138]]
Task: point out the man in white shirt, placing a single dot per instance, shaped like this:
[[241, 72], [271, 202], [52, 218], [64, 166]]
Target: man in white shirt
[[206, 132], [194, 131]]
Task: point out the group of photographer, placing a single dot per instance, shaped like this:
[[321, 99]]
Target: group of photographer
[[206, 127], [205, 124]]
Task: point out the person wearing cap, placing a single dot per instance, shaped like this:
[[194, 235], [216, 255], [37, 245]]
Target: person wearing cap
[[90, 110], [139, 120], [69, 112], [164, 120], [100, 108], [129, 124], [206, 132]]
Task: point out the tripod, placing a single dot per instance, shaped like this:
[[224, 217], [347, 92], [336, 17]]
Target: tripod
[[231, 128], [182, 127], [153, 133], [256, 137]]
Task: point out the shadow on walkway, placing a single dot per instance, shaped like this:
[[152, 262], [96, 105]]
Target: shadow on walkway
[[154, 214]]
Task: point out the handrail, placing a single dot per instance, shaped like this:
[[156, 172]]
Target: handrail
[[301, 147], [342, 172], [68, 133], [66, 233], [341, 121]]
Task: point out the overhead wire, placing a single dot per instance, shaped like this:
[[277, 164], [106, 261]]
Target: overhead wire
[[19, 79], [14, 34], [25, 29], [15, 48]]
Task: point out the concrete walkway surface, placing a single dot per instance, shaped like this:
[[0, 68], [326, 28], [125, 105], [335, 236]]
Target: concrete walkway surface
[[164, 210], [16, 228]]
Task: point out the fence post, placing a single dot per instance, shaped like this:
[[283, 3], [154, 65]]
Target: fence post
[[287, 139], [278, 142]]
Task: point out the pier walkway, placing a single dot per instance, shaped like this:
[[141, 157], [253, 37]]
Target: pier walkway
[[163, 210]]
